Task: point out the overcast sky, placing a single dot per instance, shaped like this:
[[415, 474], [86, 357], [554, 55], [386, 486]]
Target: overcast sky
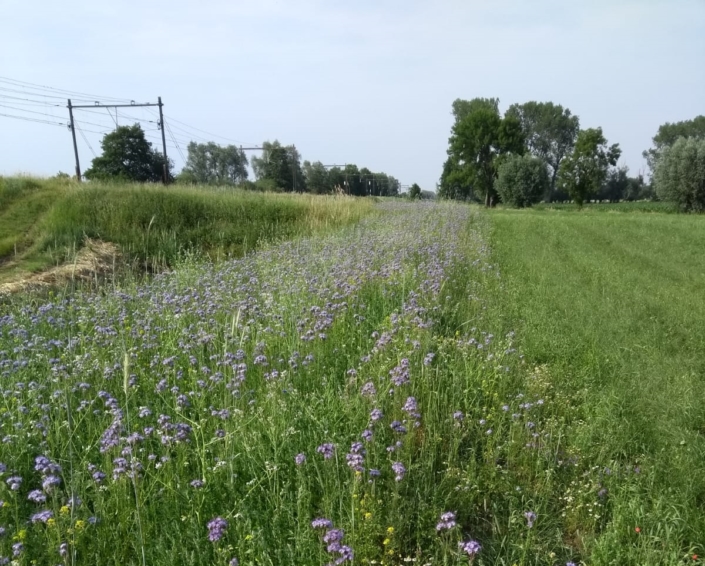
[[364, 82]]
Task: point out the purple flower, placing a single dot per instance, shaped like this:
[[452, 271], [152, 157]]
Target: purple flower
[[447, 521], [50, 482], [300, 459], [14, 482], [530, 518], [36, 496], [429, 358], [397, 426], [63, 550], [366, 435], [399, 470], [375, 473], [216, 529], [17, 549], [368, 390], [471, 547], [458, 416], [233, 562], [376, 415], [197, 484], [327, 449], [321, 523], [42, 516]]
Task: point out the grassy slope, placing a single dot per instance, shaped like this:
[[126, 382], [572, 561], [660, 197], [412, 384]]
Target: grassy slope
[[46, 221], [613, 306]]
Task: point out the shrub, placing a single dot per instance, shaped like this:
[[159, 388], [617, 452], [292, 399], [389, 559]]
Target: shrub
[[522, 181], [680, 174]]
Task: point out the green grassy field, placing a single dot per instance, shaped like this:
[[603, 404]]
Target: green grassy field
[[44, 221], [527, 384], [610, 311]]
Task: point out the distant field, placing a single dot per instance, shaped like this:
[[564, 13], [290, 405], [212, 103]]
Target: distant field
[[44, 222], [635, 206]]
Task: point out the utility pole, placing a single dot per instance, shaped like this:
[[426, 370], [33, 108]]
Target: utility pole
[[75, 147], [132, 104], [161, 125]]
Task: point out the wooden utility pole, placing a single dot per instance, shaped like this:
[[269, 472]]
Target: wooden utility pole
[[75, 147], [161, 125]]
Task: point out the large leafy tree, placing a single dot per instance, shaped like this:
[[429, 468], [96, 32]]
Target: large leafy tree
[[522, 180], [550, 132], [585, 169], [214, 164], [281, 165], [415, 192], [478, 138], [317, 180], [128, 156], [669, 133], [680, 174]]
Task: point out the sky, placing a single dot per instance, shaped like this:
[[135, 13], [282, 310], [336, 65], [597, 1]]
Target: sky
[[365, 82]]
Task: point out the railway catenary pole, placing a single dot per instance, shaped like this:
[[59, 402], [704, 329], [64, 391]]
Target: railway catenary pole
[[75, 147], [165, 166]]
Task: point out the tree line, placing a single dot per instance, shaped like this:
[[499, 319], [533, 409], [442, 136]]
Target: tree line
[[128, 156], [537, 151]]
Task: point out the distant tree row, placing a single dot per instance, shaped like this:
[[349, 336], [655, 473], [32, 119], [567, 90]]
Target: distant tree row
[[128, 156]]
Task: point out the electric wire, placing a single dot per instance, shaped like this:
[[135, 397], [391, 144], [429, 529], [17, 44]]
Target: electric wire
[[27, 119], [80, 131]]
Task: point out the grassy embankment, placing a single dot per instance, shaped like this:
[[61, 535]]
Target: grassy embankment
[[44, 222], [610, 310]]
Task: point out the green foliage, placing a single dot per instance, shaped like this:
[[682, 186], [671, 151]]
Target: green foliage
[[479, 136], [282, 165], [608, 310], [317, 180], [550, 131], [522, 180], [669, 133], [415, 192], [585, 169], [127, 157], [212, 164], [680, 174]]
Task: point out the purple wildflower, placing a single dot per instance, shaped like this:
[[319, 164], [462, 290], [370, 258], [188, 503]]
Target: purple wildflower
[[300, 459], [447, 521], [36, 496], [14, 482], [234, 562], [399, 471], [216, 529], [42, 516], [17, 549], [530, 518], [197, 484], [63, 550], [327, 449], [397, 426], [368, 390], [50, 482], [471, 547], [366, 435], [376, 415], [321, 523], [458, 416]]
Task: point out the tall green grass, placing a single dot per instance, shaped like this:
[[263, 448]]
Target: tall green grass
[[153, 225]]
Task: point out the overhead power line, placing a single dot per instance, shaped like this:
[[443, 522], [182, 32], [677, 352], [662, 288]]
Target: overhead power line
[[76, 94], [33, 120]]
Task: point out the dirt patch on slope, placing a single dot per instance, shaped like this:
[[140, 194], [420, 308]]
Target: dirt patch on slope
[[94, 259]]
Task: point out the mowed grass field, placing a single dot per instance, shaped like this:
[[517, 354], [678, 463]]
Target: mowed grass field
[[610, 310]]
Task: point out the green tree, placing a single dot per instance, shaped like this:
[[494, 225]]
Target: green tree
[[585, 169], [210, 163], [317, 180], [415, 192], [522, 180], [128, 156], [477, 139], [668, 134], [280, 164], [680, 174], [615, 186], [550, 132]]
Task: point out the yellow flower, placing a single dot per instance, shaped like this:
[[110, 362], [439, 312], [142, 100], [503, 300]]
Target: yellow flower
[[64, 510], [386, 542], [249, 537], [51, 522], [368, 515], [21, 535], [80, 525], [390, 530]]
